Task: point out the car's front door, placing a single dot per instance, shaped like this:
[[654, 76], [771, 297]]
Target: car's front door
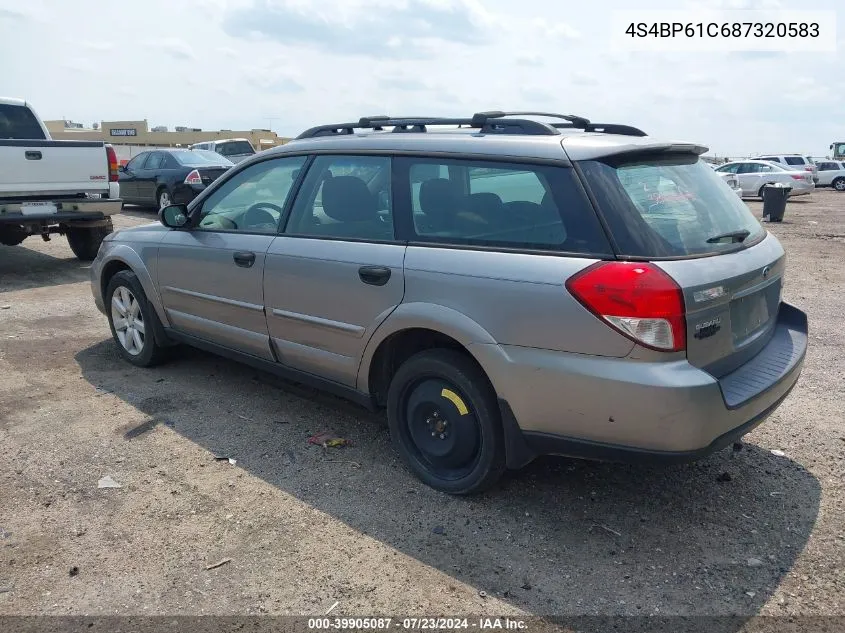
[[128, 177], [336, 272], [211, 276]]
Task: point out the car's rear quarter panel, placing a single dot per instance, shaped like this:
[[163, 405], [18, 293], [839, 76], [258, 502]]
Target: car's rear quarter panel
[[519, 299]]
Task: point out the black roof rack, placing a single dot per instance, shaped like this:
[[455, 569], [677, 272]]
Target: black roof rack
[[492, 122]]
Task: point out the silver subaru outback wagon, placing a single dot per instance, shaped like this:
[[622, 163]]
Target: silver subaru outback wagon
[[505, 285]]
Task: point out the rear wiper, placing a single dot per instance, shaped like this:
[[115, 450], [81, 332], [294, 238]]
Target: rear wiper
[[737, 236]]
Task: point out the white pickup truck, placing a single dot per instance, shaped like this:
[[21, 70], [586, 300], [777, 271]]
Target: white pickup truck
[[49, 187]]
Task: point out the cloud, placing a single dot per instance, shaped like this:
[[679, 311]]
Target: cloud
[[95, 45], [580, 78], [174, 47], [11, 14], [555, 30], [363, 28], [530, 59]]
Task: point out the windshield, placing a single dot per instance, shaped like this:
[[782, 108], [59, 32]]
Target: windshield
[[669, 206], [201, 158]]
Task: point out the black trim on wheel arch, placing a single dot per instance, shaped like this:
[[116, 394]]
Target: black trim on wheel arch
[[549, 444]]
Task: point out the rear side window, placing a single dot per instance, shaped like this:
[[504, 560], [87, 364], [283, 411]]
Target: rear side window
[[18, 122], [669, 206], [795, 160], [155, 161], [501, 204]]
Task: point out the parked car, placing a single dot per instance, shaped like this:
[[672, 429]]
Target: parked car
[[502, 289], [793, 161], [732, 180], [235, 149], [164, 176], [52, 187], [755, 174], [832, 174]]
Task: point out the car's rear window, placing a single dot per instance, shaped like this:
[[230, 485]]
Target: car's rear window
[[18, 122], [671, 205], [795, 160], [201, 158], [235, 148]]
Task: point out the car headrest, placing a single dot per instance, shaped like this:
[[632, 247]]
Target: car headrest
[[347, 199], [439, 198]]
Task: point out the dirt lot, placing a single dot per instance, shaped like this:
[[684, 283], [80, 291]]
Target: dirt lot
[[305, 528]]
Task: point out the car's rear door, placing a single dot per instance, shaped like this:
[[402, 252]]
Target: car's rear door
[[336, 272], [211, 277]]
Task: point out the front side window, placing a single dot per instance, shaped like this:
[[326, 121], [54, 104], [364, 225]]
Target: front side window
[[345, 197], [670, 205], [138, 162], [729, 169], [254, 199], [490, 203]]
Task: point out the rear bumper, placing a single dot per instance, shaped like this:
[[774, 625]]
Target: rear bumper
[[51, 218], [621, 409], [10, 210]]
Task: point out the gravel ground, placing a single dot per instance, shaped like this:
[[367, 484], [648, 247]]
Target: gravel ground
[[302, 527]]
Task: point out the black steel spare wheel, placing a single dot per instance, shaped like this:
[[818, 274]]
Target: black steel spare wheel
[[445, 423], [441, 427]]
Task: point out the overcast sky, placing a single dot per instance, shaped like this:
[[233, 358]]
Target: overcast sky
[[242, 64]]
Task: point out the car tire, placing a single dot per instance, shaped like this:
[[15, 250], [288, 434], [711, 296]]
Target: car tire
[[163, 198], [838, 184], [132, 302], [445, 423], [85, 241], [12, 236]]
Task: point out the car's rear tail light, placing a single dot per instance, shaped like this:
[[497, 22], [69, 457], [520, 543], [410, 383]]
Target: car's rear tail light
[[193, 178], [638, 299], [111, 157], [802, 177]]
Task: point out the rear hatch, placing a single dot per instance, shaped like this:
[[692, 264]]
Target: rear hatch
[[673, 210]]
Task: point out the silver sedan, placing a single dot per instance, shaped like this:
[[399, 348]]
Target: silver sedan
[[753, 175]]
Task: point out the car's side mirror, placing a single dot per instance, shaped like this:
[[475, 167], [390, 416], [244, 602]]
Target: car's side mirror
[[122, 168], [174, 217]]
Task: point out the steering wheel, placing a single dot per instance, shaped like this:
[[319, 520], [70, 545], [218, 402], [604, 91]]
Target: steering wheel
[[257, 214], [225, 223]]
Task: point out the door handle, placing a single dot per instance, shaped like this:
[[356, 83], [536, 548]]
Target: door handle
[[374, 275], [244, 259], [33, 155]]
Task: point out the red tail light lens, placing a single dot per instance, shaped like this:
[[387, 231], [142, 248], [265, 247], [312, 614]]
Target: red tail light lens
[[111, 157], [637, 299], [795, 177], [193, 178]]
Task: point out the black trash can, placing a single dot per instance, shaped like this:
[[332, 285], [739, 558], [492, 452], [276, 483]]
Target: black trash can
[[774, 201]]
